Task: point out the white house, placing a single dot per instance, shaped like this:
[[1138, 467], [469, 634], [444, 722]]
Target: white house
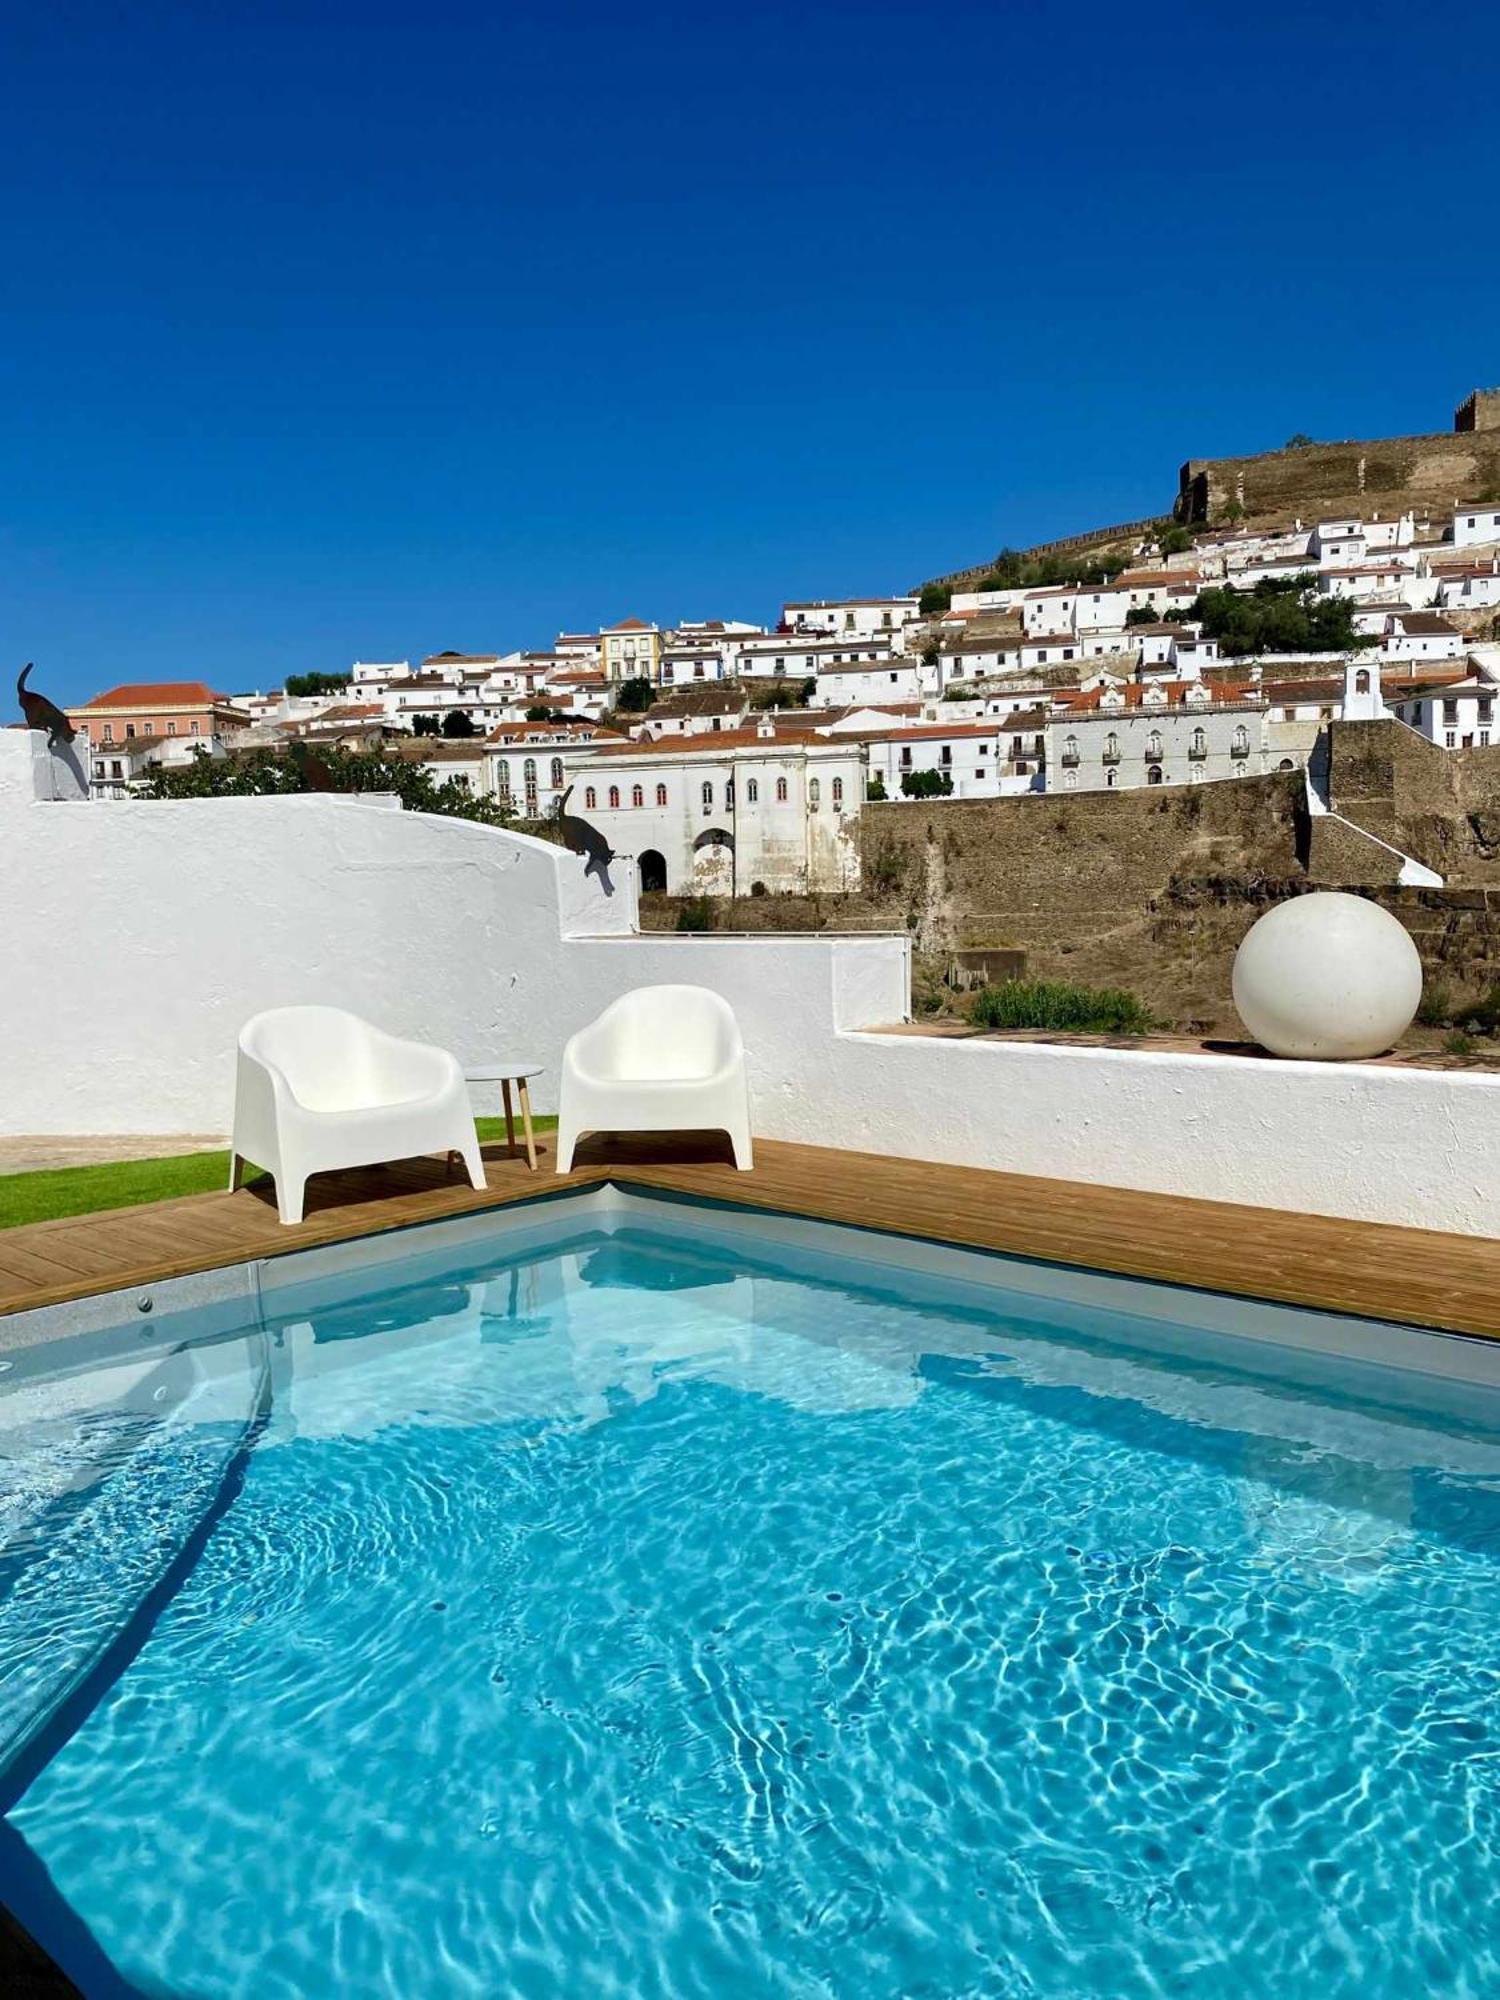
[[986, 600], [853, 617], [116, 770], [1173, 652], [577, 646], [978, 658], [1371, 579], [1420, 635], [581, 691], [979, 759], [804, 655], [1338, 542], [716, 816], [1457, 716], [1123, 738], [888, 678], [1100, 609], [1164, 591], [377, 675], [685, 660], [1475, 587], [1050, 610], [1476, 524], [1051, 649]]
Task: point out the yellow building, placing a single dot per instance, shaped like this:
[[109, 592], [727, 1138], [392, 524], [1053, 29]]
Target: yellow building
[[631, 651]]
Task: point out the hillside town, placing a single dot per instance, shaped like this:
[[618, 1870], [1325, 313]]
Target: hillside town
[[727, 757]]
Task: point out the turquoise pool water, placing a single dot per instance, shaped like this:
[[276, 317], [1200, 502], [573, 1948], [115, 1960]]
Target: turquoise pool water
[[647, 1616]]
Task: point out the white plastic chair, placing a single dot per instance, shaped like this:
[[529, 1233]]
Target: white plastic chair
[[660, 1059], [318, 1088]]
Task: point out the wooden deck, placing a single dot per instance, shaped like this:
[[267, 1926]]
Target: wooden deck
[[1422, 1277]]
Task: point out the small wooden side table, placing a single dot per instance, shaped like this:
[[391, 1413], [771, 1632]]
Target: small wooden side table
[[506, 1074]]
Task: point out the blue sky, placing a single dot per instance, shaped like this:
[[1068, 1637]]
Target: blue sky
[[364, 331]]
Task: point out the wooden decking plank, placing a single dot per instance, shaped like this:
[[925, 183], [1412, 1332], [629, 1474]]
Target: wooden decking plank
[[1424, 1277]]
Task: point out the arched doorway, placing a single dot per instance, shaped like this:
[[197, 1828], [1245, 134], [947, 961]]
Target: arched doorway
[[653, 872], [713, 862]]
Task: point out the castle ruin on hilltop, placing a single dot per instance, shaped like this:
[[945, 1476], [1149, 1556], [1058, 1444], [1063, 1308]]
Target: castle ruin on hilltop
[[1361, 476]]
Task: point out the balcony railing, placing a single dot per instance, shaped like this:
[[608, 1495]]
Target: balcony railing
[[1152, 756], [1070, 757], [1197, 752], [1111, 757]]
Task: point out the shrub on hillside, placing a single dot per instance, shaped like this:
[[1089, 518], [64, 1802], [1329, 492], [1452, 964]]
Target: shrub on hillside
[[1062, 1006]]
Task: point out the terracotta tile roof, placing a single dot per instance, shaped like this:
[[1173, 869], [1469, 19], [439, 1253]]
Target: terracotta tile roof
[[572, 728], [157, 694], [1222, 693], [1424, 624], [460, 659], [1286, 694], [629, 625], [787, 736], [828, 715], [349, 712]]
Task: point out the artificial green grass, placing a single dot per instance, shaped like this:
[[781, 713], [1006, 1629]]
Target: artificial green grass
[[53, 1192]]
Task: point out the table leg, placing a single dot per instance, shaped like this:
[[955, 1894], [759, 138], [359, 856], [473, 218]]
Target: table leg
[[510, 1123], [526, 1122]]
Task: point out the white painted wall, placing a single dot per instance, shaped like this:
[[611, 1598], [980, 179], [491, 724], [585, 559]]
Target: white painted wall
[[1417, 1147], [137, 942], [1473, 526]]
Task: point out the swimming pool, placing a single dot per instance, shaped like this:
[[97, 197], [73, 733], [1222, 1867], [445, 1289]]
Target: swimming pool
[[641, 1600]]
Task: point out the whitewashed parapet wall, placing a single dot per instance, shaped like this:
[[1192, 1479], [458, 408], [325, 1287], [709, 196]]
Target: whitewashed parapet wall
[[138, 938]]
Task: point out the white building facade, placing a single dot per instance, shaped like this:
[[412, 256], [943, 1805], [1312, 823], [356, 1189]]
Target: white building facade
[[716, 816]]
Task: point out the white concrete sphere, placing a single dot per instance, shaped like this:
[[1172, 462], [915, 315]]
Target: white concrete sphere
[[1327, 977]]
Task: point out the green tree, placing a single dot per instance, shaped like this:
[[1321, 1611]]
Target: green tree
[[1280, 615], [263, 772], [307, 684], [1141, 614], [540, 712], [926, 784], [1174, 539], [1298, 441], [425, 725], [634, 696], [935, 597], [875, 791], [458, 723]]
